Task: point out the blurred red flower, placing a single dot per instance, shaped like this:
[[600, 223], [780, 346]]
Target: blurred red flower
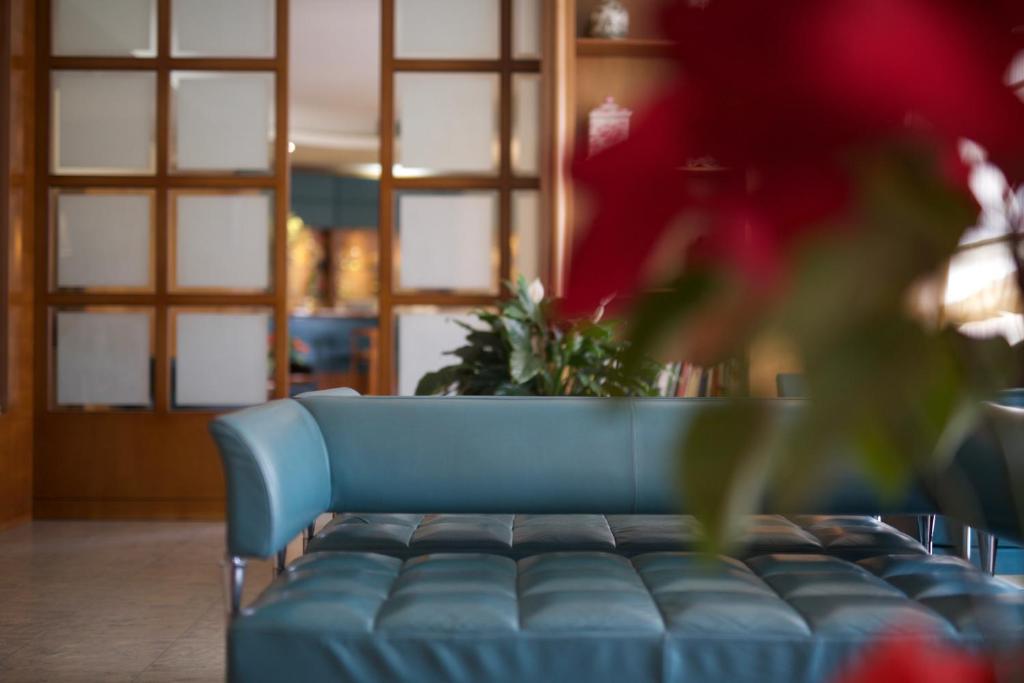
[[903, 660], [786, 94]]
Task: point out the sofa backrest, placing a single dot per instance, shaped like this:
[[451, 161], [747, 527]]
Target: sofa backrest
[[528, 454], [289, 460]]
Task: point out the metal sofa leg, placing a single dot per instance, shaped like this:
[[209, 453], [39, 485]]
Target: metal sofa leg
[[234, 571], [308, 536], [965, 542], [927, 524], [280, 561], [987, 545]]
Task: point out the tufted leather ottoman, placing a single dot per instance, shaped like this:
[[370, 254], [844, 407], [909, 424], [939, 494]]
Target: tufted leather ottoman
[[595, 616], [408, 535]]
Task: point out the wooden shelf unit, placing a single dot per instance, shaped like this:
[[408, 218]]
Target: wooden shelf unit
[[624, 47], [583, 72]]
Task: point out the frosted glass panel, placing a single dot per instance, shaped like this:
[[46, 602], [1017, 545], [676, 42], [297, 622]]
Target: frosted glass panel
[[223, 121], [222, 28], [221, 359], [114, 28], [526, 29], [103, 358], [104, 122], [446, 123], [526, 124], [223, 241], [448, 29], [448, 241], [526, 234], [423, 338], [103, 241]]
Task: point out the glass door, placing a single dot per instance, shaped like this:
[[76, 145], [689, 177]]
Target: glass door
[[163, 201], [461, 159]]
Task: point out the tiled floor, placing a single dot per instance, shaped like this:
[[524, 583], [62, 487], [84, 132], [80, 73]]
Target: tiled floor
[[94, 602], [126, 601]]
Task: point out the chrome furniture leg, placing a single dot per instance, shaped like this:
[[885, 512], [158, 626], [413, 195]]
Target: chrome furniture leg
[[280, 561], [234, 573], [927, 524], [965, 542], [987, 544], [308, 536]]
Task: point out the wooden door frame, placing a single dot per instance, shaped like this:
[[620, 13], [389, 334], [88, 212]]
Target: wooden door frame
[[5, 188]]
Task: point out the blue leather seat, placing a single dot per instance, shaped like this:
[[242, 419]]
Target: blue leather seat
[[593, 616], [516, 536]]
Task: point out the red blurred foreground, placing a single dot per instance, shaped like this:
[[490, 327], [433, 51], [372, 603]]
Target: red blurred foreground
[[787, 95], [903, 660]]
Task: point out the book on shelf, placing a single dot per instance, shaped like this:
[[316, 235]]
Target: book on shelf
[[688, 380], [696, 381]]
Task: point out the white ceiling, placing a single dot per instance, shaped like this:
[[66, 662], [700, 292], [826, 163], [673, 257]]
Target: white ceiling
[[334, 73]]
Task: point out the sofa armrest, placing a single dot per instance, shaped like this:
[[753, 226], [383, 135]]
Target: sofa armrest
[[278, 475], [986, 479]]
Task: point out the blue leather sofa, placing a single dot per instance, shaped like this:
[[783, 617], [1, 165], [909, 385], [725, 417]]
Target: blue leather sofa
[[497, 583]]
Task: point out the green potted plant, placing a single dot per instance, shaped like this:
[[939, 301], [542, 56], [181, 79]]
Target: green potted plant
[[524, 350]]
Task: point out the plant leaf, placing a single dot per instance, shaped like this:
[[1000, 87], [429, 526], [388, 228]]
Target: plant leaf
[[524, 365]]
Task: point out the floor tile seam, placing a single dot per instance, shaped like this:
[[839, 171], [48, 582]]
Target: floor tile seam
[[167, 649]]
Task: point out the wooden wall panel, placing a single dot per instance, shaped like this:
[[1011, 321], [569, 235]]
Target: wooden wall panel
[[16, 123], [104, 464]]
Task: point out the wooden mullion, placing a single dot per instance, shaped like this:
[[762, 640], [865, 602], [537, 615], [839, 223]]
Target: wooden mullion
[[449, 65], [163, 29], [467, 65], [100, 63], [280, 283], [505, 173], [160, 62], [6, 65], [386, 227], [466, 183], [525, 66], [153, 299], [441, 299], [167, 180], [42, 384], [161, 341], [487, 66], [229, 64]]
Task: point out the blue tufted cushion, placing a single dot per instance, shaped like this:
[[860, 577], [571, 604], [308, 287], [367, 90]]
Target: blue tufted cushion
[[408, 535], [595, 616]]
